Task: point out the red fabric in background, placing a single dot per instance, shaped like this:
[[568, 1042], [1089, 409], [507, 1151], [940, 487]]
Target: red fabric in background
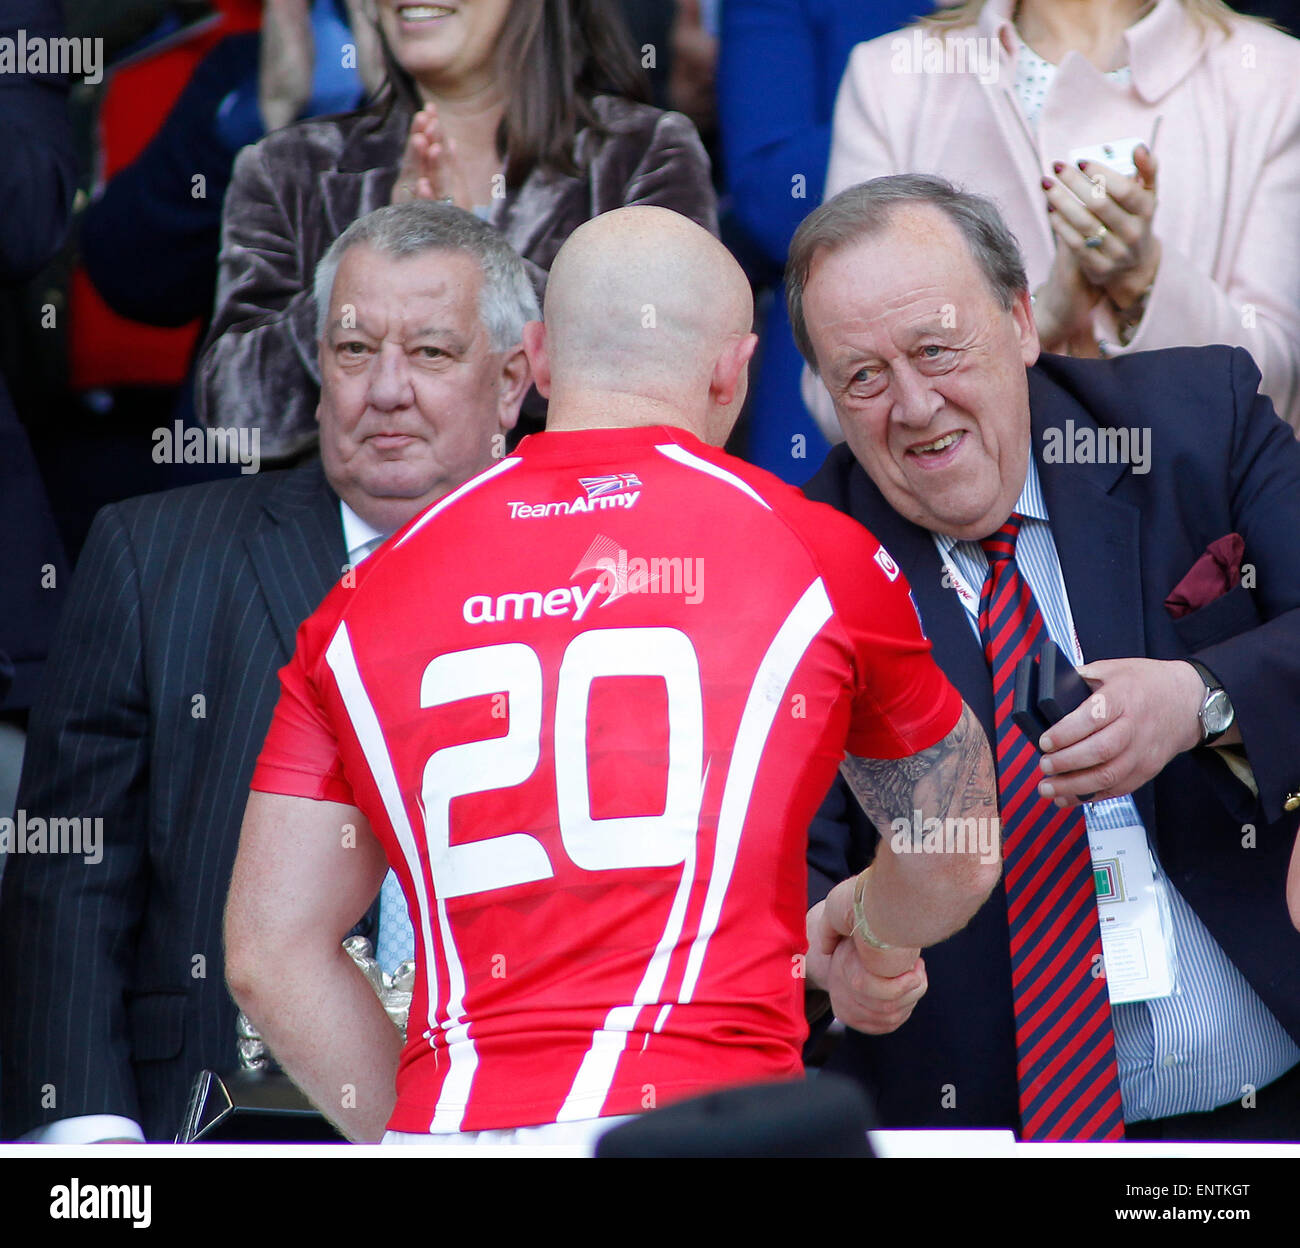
[[107, 350]]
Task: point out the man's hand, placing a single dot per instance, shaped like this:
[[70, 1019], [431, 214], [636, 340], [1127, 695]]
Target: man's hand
[[868, 991], [365, 34], [1142, 714], [286, 61], [694, 66]]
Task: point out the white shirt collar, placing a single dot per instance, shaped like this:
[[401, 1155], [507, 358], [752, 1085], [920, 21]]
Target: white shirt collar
[[1164, 45], [357, 534]]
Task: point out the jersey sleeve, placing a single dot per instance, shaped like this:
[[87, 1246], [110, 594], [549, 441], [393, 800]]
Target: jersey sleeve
[[300, 757], [902, 701]]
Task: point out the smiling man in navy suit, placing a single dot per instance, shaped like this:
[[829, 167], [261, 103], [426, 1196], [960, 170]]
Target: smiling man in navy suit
[[1031, 499]]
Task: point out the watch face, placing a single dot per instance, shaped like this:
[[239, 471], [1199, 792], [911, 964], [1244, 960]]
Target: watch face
[[1217, 712]]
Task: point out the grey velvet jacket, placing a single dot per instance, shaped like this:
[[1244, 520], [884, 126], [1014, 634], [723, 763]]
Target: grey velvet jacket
[[298, 189]]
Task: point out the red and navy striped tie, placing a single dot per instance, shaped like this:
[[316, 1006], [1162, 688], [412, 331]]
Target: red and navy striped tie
[[1065, 1046]]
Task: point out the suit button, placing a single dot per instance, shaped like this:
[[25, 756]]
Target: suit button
[[1292, 802]]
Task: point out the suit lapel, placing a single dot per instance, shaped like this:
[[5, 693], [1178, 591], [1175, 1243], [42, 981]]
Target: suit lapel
[[1097, 535], [297, 552]]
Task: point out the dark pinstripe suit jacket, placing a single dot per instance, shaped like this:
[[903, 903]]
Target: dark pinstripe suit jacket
[[159, 691]]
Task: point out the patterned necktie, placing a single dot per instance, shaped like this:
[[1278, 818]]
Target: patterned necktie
[[1065, 1047]]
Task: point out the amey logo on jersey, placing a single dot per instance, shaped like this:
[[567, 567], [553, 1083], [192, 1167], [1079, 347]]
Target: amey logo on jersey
[[530, 604], [619, 489]]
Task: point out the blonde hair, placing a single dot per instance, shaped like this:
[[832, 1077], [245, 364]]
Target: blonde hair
[[1206, 12]]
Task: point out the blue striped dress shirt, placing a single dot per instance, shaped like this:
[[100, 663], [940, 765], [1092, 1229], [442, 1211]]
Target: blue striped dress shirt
[[1213, 1040]]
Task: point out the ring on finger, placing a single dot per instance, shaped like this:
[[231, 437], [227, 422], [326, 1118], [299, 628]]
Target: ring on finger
[[1095, 240]]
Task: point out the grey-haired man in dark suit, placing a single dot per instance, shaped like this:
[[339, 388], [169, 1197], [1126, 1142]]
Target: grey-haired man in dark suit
[[162, 677]]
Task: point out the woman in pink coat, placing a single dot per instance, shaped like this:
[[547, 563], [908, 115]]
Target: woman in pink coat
[[1146, 156]]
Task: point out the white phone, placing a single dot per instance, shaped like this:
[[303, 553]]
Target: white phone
[[1116, 154]]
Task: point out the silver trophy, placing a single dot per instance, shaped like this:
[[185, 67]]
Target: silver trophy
[[393, 991], [258, 1101]]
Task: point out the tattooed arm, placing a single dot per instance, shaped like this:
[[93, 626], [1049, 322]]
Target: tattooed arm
[[909, 899], [913, 898]]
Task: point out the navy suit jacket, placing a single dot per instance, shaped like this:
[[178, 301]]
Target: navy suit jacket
[[161, 684], [1220, 462]]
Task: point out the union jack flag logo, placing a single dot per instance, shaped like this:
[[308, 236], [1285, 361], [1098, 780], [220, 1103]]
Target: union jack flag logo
[[612, 484]]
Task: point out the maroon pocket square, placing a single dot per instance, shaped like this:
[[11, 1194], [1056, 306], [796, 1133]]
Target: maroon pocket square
[[1212, 575]]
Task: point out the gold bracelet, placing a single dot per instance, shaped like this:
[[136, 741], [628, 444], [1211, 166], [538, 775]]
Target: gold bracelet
[[860, 926]]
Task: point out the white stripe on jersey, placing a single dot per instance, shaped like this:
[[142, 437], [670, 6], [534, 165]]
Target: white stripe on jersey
[[365, 723], [599, 1065], [472, 484], [683, 456], [596, 1072], [766, 694]]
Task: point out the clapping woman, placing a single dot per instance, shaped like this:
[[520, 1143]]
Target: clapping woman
[[526, 112]]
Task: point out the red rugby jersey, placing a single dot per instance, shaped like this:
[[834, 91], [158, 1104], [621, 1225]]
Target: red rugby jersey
[[589, 703]]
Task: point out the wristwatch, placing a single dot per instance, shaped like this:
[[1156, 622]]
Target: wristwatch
[[1216, 713]]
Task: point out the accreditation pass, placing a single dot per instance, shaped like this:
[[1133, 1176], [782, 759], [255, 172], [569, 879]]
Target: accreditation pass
[[1133, 944]]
